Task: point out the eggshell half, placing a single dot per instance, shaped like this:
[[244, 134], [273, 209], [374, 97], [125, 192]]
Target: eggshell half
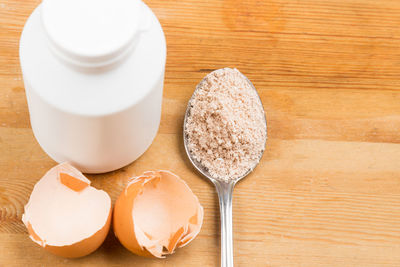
[[66, 215], [156, 213]]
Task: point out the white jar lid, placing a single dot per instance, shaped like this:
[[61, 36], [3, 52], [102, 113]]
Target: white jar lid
[[91, 31]]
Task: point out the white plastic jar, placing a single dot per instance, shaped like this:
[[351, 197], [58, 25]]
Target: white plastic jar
[[93, 73]]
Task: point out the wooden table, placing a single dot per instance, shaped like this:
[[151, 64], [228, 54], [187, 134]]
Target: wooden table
[[327, 191]]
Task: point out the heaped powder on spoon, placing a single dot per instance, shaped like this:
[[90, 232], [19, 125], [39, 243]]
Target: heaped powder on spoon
[[226, 127]]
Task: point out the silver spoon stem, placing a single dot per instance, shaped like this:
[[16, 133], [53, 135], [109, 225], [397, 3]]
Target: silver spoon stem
[[225, 190]]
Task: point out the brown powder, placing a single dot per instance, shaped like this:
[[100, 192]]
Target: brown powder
[[226, 127]]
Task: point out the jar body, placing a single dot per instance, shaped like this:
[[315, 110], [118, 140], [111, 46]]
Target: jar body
[[72, 125]]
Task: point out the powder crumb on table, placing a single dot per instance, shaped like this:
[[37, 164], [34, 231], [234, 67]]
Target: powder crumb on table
[[226, 126]]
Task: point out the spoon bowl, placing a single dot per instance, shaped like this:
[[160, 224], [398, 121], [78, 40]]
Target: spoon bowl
[[224, 189]]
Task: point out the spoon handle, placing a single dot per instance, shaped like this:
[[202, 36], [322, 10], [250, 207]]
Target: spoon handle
[[225, 190]]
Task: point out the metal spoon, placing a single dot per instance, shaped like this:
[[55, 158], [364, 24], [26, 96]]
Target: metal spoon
[[224, 190]]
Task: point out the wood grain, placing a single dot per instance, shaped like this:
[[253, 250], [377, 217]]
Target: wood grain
[[327, 191]]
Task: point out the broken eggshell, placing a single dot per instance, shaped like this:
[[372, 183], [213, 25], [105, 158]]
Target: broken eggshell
[[156, 213], [66, 215]]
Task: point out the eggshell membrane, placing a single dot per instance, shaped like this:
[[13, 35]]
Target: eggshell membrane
[[65, 215], [156, 213]]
